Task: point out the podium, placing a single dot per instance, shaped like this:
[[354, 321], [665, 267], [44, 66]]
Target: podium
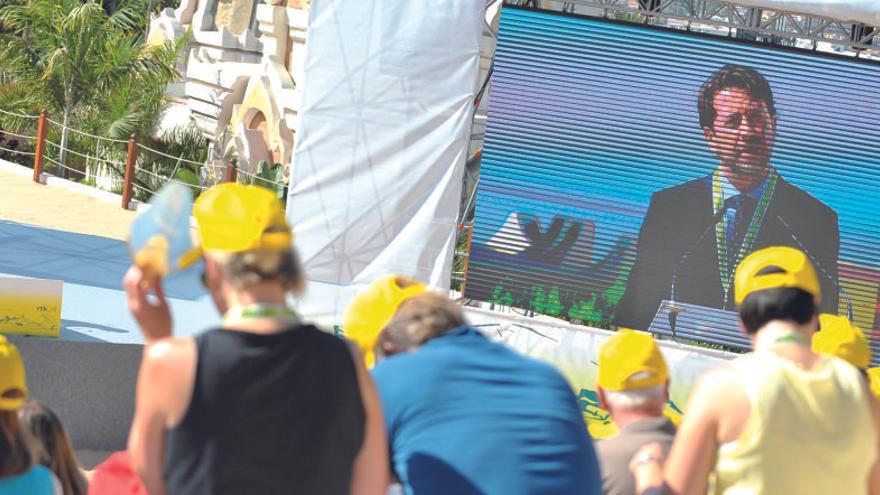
[[684, 322]]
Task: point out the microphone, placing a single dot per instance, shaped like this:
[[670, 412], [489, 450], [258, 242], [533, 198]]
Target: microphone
[[820, 267], [673, 311]]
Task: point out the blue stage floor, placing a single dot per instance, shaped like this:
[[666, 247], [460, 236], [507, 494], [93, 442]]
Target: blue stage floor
[[93, 305]]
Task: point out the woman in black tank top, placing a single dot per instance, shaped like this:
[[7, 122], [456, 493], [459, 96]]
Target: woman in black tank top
[[266, 404]]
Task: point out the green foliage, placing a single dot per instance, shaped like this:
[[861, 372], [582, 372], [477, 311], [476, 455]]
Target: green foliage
[[496, 294], [502, 297], [582, 310], [269, 176], [554, 305], [188, 177], [183, 149], [538, 303], [594, 310], [89, 69], [459, 262], [11, 145]]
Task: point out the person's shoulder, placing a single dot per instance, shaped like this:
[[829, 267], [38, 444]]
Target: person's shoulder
[[419, 367], [801, 199], [699, 184], [47, 480], [311, 331], [402, 366], [715, 388], [170, 350], [324, 342], [37, 480], [407, 379]]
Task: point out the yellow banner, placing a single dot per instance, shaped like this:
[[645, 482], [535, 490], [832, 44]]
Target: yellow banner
[[30, 306]]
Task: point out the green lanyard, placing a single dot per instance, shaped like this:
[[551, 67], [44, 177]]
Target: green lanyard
[[751, 233], [773, 338], [239, 314]]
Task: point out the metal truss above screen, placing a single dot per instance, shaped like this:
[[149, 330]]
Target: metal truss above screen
[[777, 27], [607, 170]]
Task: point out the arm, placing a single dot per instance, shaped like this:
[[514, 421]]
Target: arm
[[693, 452], [165, 379], [164, 387], [146, 440], [370, 473], [690, 461], [650, 277], [829, 252], [874, 474]]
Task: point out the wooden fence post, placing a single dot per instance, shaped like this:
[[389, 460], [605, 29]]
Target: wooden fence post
[[41, 146], [231, 170], [130, 161]]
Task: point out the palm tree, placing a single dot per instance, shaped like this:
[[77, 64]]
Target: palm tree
[[79, 61]]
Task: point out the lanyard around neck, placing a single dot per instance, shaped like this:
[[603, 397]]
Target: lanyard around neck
[[751, 233], [773, 337], [239, 314]]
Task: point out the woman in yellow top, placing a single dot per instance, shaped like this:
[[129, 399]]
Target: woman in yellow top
[[781, 420]]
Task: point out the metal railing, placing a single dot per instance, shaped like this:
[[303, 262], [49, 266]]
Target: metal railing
[[129, 162]]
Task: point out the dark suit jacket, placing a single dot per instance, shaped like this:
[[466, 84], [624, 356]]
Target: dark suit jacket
[[679, 216]]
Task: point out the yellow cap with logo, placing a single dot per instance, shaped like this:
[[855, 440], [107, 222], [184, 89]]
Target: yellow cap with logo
[[793, 270], [13, 389], [371, 310], [631, 360], [840, 337], [234, 217]]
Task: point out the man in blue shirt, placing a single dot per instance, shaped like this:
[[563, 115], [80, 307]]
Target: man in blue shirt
[[466, 415]]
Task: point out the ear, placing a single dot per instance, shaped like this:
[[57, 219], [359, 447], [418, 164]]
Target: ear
[[709, 134], [212, 268], [390, 348], [814, 322], [213, 273], [603, 403]]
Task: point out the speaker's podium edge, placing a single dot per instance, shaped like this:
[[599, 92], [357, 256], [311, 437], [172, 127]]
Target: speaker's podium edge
[[698, 323]]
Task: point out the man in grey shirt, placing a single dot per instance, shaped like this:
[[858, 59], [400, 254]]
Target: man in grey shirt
[[633, 386]]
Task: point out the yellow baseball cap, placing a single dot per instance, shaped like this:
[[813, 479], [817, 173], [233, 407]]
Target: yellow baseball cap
[[874, 378], [234, 217], [840, 337], [631, 361], [797, 272], [371, 310], [11, 377]]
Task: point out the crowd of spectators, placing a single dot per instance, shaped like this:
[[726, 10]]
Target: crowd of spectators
[[417, 398]]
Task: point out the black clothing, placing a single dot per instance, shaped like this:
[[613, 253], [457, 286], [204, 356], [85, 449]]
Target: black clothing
[[269, 414], [680, 219]]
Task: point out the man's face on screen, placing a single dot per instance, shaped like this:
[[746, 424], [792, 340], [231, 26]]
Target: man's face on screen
[[742, 136]]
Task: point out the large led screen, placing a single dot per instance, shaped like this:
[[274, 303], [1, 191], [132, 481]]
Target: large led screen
[[626, 165]]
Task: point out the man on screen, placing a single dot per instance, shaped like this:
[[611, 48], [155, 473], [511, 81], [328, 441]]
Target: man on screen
[[694, 234]]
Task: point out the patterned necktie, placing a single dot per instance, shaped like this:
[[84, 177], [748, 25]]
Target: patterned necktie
[[739, 216]]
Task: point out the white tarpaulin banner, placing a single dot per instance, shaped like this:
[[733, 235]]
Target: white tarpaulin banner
[[864, 11], [380, 152], [573, 351]]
